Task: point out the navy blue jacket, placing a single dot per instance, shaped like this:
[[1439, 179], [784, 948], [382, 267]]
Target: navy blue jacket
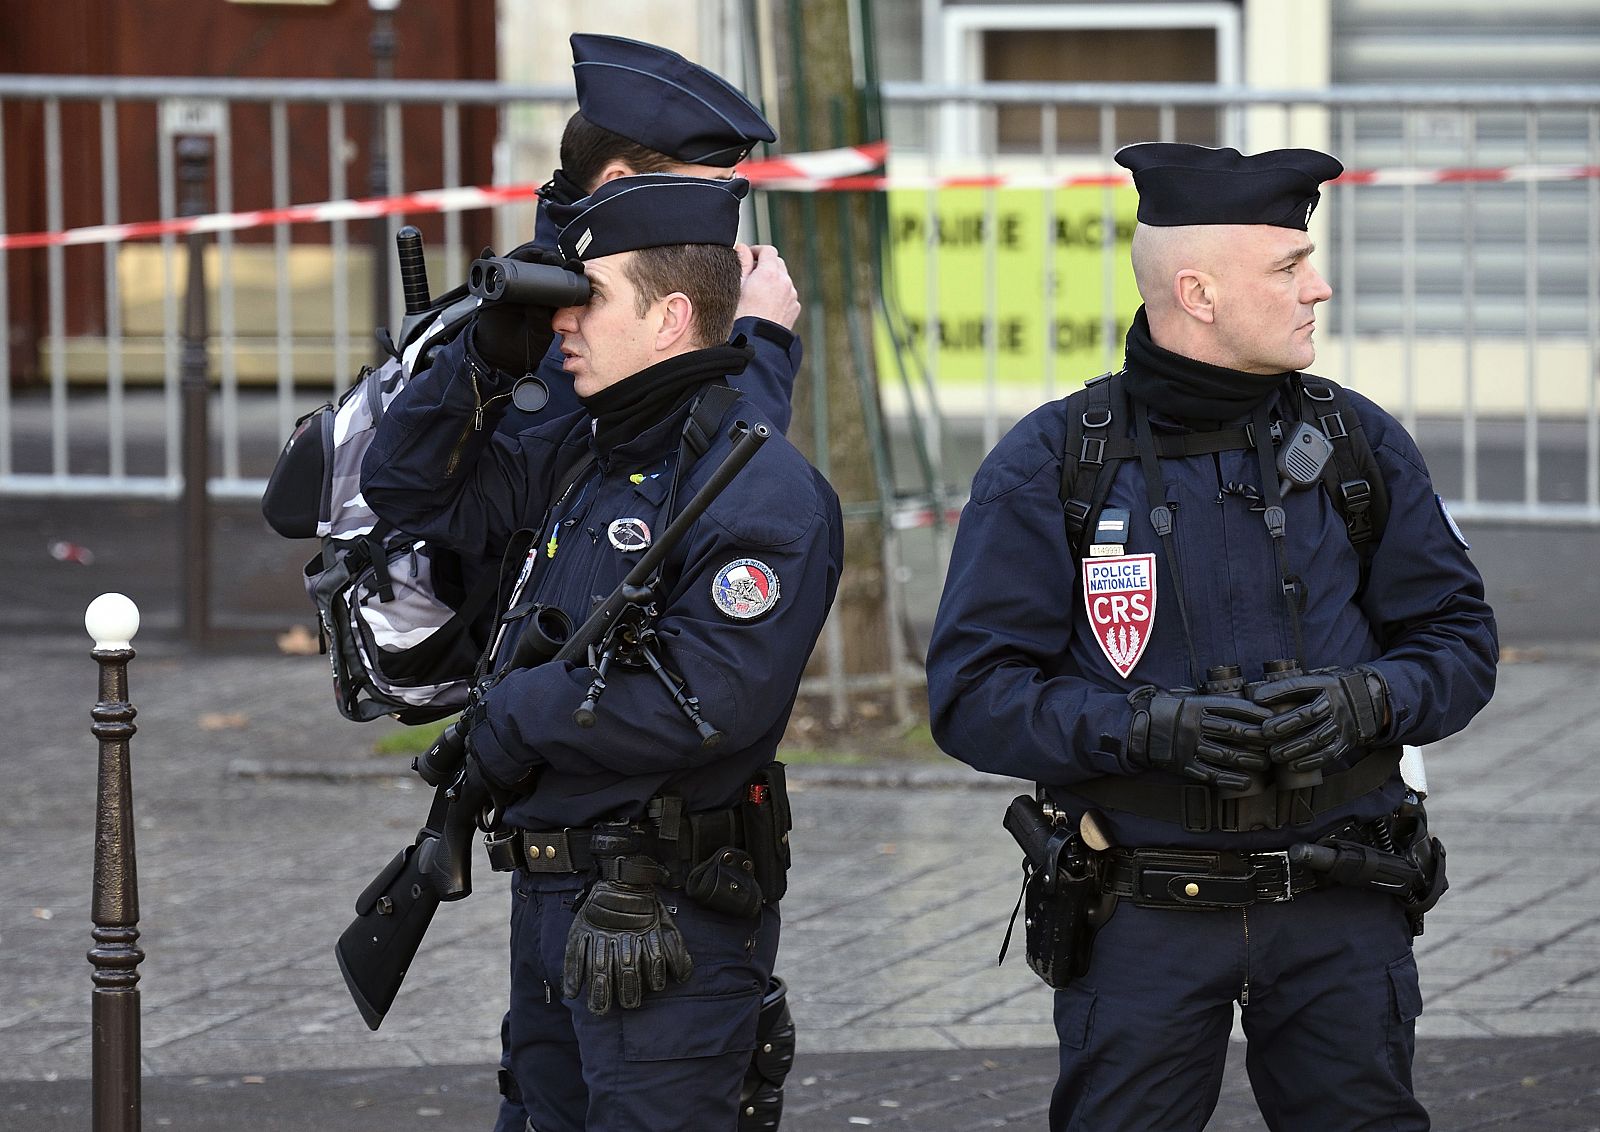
[[431, 472], [1018, 684]]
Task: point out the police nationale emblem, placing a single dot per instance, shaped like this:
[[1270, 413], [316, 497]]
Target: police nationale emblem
[[1119, 595], [628, 534], [745, 588]]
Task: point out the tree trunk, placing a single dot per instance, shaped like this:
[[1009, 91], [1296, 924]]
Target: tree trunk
[[827, 239]]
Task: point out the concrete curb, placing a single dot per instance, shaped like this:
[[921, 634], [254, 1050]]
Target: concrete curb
[[879, 776]]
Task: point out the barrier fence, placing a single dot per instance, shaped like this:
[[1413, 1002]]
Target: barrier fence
[[1463, 245]]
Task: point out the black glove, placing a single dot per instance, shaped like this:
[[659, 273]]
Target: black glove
[[1322, 716], [1216, 740], [623, 940], [513, 337]]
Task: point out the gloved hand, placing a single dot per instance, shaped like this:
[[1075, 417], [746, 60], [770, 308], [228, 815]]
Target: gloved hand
[[1216, 740], [1323, 715], [513, 337], [623, 940]]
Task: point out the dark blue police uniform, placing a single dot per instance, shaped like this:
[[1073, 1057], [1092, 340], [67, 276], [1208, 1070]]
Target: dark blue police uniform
[[678, 1060], [1022, 682], [664, 102]]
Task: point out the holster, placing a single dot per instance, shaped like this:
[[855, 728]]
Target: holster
[[1062, 898], [767, 822]]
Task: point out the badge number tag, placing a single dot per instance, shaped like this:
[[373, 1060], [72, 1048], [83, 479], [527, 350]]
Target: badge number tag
[[1119, 595]]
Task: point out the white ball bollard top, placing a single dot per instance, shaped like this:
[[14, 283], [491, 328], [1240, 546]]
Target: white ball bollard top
[[112, 620]]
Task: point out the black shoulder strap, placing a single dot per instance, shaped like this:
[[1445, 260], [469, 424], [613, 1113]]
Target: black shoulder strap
[[1083, 458], [1352, 478], [701, 428]]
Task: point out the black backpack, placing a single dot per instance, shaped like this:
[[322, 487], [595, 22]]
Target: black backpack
[[1351, 478]]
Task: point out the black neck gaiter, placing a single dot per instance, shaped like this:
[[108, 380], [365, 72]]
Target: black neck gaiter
[[624, 410], [561, 189], [1197, 393]]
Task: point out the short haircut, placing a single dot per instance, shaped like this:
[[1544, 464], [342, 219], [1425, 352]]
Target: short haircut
[[708, 274], [586, 149]]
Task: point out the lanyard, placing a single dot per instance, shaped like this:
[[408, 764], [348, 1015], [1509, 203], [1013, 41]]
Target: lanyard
[[1272, 494], [1161, 520]]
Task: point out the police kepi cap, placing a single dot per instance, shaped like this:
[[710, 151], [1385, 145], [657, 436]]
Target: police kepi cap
[[664, 102], [648, 211], [1192, 184]]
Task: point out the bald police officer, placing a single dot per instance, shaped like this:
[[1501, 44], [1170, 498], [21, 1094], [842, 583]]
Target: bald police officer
[[649, 860], [1174, 603]]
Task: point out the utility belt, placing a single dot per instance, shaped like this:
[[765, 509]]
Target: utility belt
[[1176, 878], [1072, 889], [704, 853], [1201, 809]]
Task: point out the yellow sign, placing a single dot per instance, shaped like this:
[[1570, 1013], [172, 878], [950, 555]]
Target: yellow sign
[[1003, 295]]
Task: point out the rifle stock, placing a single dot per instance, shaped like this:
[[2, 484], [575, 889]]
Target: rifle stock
[[394, 910]]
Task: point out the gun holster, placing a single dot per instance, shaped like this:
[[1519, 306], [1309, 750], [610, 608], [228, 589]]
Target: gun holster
[[1062, 899]]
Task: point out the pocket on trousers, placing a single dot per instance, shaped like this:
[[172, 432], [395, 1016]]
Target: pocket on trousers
[[689, 1026], [1074, 1012], [1405, 990]]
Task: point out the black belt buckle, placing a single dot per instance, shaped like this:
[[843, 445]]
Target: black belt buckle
[[1277, 857], [1165, 881]]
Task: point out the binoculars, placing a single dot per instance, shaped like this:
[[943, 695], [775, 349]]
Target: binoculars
[[1228, 680], [499, 279]]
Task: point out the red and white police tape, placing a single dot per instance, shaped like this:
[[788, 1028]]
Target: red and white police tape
[[848, 169], [808, 169]]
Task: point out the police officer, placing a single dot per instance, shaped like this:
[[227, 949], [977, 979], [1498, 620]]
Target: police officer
[[1246, 839], [649, 860], [645, 109]]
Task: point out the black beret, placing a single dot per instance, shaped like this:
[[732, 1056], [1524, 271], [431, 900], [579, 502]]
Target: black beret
[[664, 102], [1191, 184], [649, 211]]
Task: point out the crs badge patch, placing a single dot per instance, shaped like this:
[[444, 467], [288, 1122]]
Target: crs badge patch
[[745, 588], [1119, 594]]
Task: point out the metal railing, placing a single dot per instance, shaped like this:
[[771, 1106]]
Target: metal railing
[[1471, 307]]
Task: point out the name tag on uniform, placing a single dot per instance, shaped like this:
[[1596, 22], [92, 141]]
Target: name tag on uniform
[[1119, 595], [1110, 533]]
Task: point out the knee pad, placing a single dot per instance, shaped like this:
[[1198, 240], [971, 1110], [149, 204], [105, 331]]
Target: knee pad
[[761, 1097]]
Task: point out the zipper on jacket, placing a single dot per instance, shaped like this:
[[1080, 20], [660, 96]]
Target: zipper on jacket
[[476, 424]]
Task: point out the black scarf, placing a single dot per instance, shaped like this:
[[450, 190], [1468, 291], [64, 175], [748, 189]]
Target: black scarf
[[561, 189], [624, 410], [1197, 393]]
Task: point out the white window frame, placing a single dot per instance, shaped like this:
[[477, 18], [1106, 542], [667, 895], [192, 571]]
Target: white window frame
[[962, 27]]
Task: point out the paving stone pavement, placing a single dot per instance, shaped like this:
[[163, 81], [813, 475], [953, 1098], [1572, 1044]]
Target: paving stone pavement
[[898, 899]]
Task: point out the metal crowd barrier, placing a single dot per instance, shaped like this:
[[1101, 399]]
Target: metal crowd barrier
[[1466, 268]]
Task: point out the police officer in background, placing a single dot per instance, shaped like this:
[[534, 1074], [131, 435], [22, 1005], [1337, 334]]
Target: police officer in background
[[648, 860], [1209, 665], [645, 109]]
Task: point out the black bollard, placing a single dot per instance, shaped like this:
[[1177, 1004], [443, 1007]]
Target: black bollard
[[112, 621]]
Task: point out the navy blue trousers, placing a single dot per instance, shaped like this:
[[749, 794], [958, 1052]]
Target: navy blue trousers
[[1328, 994], [675, 1064]]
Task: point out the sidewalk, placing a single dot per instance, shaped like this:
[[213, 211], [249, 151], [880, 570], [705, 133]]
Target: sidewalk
[[898, 900]]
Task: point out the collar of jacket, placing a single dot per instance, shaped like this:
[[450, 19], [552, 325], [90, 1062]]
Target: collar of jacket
[[1194, 393], [632, 417]]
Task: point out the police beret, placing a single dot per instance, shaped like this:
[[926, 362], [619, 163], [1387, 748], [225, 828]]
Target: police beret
[[664, 102], [1191, 184], [648, 211]]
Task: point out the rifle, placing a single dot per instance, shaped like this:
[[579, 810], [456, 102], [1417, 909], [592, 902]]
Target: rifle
[[393, 912]]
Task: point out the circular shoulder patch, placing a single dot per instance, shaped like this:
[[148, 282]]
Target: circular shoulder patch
[[745, 588]]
